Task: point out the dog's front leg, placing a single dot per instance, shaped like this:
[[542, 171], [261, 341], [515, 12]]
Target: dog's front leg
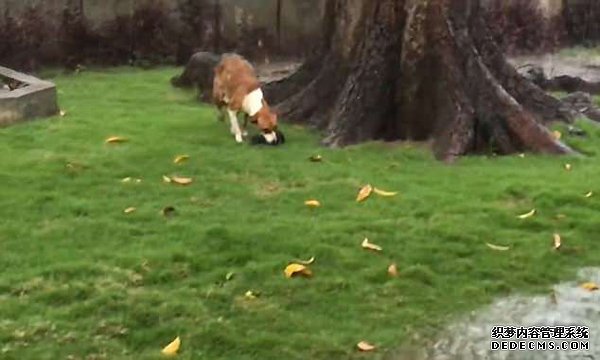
[[245, 125], [235, 126]]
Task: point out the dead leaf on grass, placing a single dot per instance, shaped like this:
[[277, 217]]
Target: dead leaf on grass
[[305, 262], [172, 348], [557, 135], [180, 159], [384, 193], [365, 346], [129, 210], [392, 270], [364, 193], [498, 247], [179, 180], [528, 214], [370, 246], [590, 286], [115, 140], [568, 167], [316, 158], [297, 269], [312, 203], [589, 195], [557, 241]]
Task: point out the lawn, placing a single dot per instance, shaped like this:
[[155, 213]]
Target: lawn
[[82, 280]]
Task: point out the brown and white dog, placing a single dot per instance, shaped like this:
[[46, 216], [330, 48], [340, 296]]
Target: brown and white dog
[[236, 89]]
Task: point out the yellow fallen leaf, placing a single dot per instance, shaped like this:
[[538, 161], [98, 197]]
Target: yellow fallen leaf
[[129, 210], [306, 262], [365, 346], [181, 159], [316, 158], [561, 216], [590, 286], [557, 134], [527, 215], [384, 193], [393, 270], [181, 180], [370, 246], [172, 348], [498, 247], [115, 139], [522, 156], [589, 195], [167, 179], [297, 269], [126, 180], [250, 295], [62, 113], [557, 241], [312, 203], [364, 193], [568, 167]]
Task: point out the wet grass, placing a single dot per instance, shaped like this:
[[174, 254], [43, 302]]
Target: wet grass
[[82, 280]]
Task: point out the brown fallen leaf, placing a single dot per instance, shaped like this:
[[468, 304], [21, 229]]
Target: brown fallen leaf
[[181, 180], [115, 139], [364, 193], [129, 210], [172, 348], [312, 203], [590, 286], [370, 246], [384, 193], [498, 247], [528, 215], [365, 346], [557, 241], [589, 195], [392, 270], [181, 159], [297, 269]]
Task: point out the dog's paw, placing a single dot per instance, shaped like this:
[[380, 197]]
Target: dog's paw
[[239, 139]]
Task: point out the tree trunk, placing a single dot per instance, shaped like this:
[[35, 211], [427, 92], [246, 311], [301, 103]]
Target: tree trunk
[[417, 70]]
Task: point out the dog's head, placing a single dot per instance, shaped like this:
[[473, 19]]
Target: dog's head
[[265, 119]]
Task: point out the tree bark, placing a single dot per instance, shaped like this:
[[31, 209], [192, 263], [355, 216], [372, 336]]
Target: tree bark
[[425, 70]]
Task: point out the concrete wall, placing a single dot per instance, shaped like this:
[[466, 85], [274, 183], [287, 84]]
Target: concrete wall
[[300, 18]]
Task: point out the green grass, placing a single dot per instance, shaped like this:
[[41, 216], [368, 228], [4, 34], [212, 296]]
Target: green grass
[[81, 280]]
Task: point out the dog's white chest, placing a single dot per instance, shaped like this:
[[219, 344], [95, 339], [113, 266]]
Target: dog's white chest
[[253, 102]]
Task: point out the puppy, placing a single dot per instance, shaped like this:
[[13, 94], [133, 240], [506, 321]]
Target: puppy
[[236, 89]]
